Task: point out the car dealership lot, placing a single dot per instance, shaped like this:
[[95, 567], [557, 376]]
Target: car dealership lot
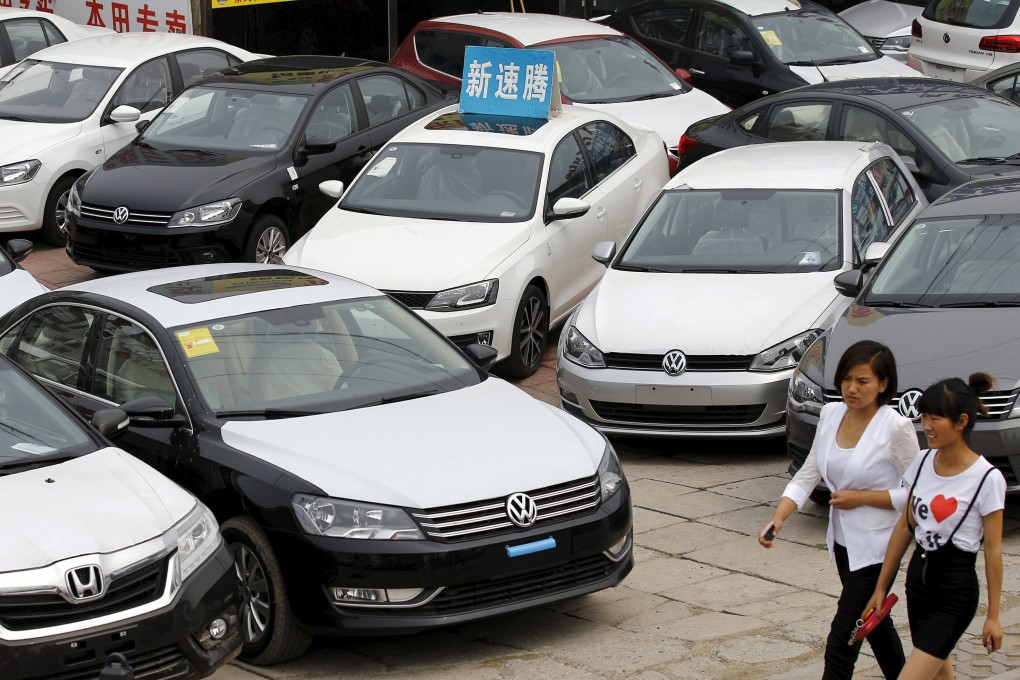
[[704, 601]]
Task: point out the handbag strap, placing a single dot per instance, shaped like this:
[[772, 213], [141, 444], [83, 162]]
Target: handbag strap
[[910, 496], [970, 505]]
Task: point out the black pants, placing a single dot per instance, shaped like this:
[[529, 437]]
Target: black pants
[[858, 587]]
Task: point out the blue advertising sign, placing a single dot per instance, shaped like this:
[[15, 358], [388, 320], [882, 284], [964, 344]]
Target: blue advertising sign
[[507, 81]]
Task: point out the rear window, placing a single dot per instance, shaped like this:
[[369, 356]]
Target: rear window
[[972, 13]]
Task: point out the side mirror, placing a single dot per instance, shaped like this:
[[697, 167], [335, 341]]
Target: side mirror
[[125, 114], [875, 252], [483, 355], [142, 124], [603, 252], [318, 144], [333, 188], [151, 412], [911, 165], [110, 422], [683, 74], [19, 248], [849, 283], [566, 208], [743, 58]]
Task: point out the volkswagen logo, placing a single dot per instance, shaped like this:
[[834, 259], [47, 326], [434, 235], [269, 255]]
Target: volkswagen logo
[[908, 404], [945, 38], [121, 214], [674, 363], [84, 583], [522, 509]]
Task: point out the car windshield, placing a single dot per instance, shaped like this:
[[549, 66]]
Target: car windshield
[[34, 430], [224, 120], [737, 231], [53, 92], [607, 70], [449, 182], [972, 13], [811, 38], [971, 130], [318, 358], [964, 261]]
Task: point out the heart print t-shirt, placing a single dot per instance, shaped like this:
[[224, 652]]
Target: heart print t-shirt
[[939, 502]]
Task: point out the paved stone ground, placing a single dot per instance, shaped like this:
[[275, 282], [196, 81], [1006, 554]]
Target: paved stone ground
[[704, 600]]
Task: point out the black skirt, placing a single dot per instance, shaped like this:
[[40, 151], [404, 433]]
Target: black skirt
[[942, 598]]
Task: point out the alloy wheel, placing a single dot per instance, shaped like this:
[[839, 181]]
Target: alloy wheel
[[531, 334], [256, 609], [271, 246]]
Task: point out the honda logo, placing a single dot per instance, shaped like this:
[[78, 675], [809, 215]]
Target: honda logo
[[121, 214], [521, 509], [908, 404], [674, 363], [85, 583]]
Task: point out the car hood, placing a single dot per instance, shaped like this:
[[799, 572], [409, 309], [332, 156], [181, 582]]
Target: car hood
[[931, 344], [886, 66], [97, 503], [24, 141], [167, 181], [16, 287], [390, 252], [880, 18], [669, 116], [651, 313], [455, 447]]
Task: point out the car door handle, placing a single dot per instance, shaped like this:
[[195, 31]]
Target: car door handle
[[637, 183], [696, 71], [600, 213]]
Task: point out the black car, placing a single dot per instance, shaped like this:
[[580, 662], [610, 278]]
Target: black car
[[230, 169], [738, 55], [951, 132]]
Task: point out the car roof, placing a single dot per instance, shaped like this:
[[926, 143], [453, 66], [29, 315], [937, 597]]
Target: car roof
[[783, 165], [897, 93], [133, 289], [990, 196], [297, 74], [123, 50], [529, 29]]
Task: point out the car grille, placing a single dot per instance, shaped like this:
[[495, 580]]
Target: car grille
[[125, 253], [669, 415], [167, 662], [135, 218], [485, 518], [999, 404], [129, 590], [653, 362], [410, 298]]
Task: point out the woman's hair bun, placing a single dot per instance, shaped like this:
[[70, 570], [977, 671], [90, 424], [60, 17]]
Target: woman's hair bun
[[980, 382]]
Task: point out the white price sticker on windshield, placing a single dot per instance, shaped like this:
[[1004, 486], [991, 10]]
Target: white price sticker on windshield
[[383, 167]]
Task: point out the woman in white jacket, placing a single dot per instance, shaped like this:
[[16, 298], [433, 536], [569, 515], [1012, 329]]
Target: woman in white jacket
[[861, 449]]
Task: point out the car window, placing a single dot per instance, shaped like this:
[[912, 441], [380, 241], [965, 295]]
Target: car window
[[568, 176], [798, 122], [895, 188], [869, 223], [861, 125], [968, 129], [608, 147], [972, 13], [747, 123], [444, 50], [147, 88], [51, 343], [1008, 87], [53, 92], [197, 64], [387, 97], [669, 24], [53, 34], [720, 35], [129, 365], [27, 37], [812, 37], [334, 116]]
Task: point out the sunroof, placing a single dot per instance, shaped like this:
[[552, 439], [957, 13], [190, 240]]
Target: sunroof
[[192, 291]]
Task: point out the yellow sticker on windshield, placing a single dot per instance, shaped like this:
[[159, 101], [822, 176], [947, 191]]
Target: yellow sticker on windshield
[[771, 38], [197, 342]]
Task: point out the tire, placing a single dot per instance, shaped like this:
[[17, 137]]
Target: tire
[[270, 633], [268, 241], [54, 225], [530, 336], [821, 496]]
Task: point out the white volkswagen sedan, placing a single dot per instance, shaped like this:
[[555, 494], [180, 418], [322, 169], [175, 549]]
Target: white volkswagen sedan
[[485, 227], [702, 317], [26, 31], [68, 108]]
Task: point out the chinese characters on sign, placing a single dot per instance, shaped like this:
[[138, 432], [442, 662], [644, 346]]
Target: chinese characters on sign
[[151, 16], [508, 82]]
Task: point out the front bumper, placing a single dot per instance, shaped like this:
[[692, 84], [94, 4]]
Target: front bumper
[[463, 327], [160, 645], [22, 205]]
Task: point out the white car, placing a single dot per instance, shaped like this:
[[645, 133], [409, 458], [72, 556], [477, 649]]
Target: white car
[[68, 108], [26, 31], [960, 40], [701, 319], [886, 24], [487, 234], [16, 284]]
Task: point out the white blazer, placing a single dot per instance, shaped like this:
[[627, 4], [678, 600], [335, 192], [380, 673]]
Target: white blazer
[[886, 449]]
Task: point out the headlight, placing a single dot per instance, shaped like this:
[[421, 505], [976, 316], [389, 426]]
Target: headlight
[[581, 351], [350, 519], [805, 395], [786, 354], [472, 295], [19, 173], [74, 200], [610, 473], [900, 43], [208, 214], [198, 536]]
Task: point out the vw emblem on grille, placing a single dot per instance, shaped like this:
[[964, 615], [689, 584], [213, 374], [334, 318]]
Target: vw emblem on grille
[[908, 404], [84, 583], [521, 509], [945, 38], [674, 363], [121, 214]]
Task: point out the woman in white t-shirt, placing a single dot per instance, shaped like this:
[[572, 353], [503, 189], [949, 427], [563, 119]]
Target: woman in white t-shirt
[[956, 503], [861, 449]]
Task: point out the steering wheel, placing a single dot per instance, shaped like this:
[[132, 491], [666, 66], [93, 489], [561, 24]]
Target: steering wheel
[[617, 79], [269, 128], [996, 140], [509, 194], [354, 373]]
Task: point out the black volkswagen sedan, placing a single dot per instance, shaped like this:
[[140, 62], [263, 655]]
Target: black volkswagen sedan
[[230, 169], [950, 132]]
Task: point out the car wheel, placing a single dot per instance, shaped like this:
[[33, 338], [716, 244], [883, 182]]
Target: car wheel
[[821, 496], [530, 336], [270, 633], [54, 225], [268, 241]]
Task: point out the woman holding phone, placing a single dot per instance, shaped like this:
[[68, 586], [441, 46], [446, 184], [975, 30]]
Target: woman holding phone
[[861, 449]]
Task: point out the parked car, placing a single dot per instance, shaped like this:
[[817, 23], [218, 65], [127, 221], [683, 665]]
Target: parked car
[[1004, 81], [944, 299], [700, 320], [230, 170], [886, 24], [951, 132], [367, 475], [16, 284], [738, 51], [101, 553], [960, 40], [486, 234], [24, 32], [601, 68], [68, 108]]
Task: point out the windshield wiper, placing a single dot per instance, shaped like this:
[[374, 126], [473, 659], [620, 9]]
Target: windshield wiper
[[394, 399], [267, 413], [20, 119], [896, 303], [204, 152], [839, 60], [992, 160], [982, 303], [657, 95], [29, 463], [636, 268], [364, 211]]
